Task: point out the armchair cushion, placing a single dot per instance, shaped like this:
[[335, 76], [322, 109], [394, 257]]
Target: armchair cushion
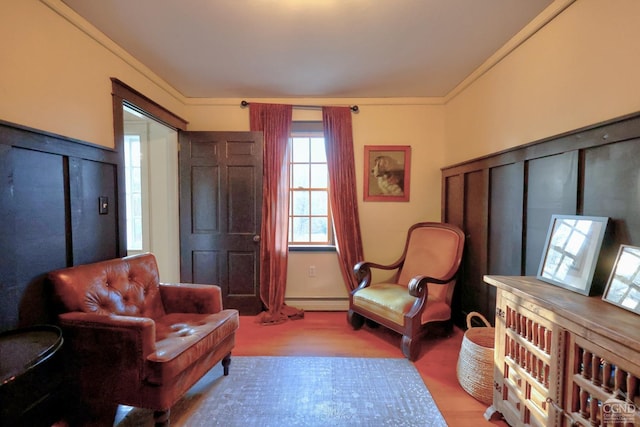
[[184, 338], [392, 301]]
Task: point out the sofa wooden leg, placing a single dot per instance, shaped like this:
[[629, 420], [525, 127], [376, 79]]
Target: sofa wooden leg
[[226, 361], [161, 418]]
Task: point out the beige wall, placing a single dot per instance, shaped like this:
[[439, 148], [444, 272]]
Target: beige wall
[[56, 78], [580, 69]]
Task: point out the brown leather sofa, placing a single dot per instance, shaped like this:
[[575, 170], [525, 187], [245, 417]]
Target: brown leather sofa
[[135, 341]]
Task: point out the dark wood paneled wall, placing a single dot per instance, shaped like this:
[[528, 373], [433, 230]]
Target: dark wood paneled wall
[[49, 218], [504, 202]]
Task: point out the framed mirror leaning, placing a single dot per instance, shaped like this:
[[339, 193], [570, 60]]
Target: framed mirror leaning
[[571, 251], [623, 287]]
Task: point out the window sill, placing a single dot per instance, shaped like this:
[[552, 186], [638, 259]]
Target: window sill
[[312, 248]]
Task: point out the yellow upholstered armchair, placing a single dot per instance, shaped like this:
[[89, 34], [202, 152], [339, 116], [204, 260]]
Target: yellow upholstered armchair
[[419, 293]]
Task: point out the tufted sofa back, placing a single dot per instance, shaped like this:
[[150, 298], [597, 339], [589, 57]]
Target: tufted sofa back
[[125, 286]]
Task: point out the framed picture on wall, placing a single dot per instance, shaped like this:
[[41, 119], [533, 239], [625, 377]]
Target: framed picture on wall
[[571, 251], [623, 287], [387, 173]]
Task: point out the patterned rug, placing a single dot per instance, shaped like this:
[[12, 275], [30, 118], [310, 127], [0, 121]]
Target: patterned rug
[[303, 391]]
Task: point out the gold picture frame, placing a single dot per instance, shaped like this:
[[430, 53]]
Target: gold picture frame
[[387, 172]]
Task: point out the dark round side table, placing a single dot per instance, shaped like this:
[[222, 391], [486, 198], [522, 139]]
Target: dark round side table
[[31, 373]]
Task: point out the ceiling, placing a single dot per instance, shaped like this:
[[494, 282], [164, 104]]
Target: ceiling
[[310, 48]]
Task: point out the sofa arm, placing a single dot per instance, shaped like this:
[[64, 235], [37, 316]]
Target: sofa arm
[[108, 350], [191, 298]]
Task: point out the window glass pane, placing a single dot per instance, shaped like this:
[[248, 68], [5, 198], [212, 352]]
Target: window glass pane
[[133, 188], [300, 229], [300, 202], [136, 238], [135, 152], [319, 176], [300, 150], [319, 203], [300, 176], [136, 205], [318, 153], [136, 180], [319, 229]]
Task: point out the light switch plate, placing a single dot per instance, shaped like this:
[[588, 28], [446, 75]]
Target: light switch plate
[[103, 205]]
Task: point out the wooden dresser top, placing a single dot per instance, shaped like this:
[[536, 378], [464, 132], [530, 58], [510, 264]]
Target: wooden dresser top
[[591, 313]]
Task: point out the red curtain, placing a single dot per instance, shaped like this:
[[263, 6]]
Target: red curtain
[[338, 138], [274, 120]]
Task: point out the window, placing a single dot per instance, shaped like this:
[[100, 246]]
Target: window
[[309, 213], [133, 185]]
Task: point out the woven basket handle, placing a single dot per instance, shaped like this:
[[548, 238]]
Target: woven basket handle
[[476, 314]]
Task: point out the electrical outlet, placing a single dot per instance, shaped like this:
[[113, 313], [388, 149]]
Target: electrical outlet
[[312, 271]]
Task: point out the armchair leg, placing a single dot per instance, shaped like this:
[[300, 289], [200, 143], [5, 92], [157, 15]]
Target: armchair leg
[[161, 418], [355, 320], [410, 347], [226, 361]]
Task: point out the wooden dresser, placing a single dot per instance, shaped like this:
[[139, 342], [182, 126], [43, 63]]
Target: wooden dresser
[[562, 358]]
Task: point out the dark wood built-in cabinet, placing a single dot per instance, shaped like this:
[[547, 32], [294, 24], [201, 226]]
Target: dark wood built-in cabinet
[[504, 202]]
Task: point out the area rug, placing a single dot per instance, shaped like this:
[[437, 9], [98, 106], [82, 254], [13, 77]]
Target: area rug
[[304, 391]]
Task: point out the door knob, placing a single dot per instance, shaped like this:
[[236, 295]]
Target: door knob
[[256, 238]]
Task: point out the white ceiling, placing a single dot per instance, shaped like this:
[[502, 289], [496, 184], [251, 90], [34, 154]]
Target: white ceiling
[[310, 48]]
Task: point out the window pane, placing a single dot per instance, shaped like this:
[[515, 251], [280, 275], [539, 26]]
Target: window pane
[[300, 150], [300, 229], [319, 203], [135, 242], [318, 153], [136, 180], [319, 230], [319, 176], [300, 176], [136, 205], [300, 203]]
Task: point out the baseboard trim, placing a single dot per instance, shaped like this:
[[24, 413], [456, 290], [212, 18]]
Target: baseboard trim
[[319, 304]]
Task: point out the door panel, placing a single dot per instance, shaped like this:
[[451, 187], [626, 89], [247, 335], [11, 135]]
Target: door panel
[[220, 214]]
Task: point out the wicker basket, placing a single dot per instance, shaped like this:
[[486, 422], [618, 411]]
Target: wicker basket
[[475, 363]]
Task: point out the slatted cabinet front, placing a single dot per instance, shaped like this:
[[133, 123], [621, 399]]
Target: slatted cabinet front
[[602, 388], [563, 359], [528, 350]]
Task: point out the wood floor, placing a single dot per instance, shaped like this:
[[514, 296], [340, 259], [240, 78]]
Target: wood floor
[[329, 334]]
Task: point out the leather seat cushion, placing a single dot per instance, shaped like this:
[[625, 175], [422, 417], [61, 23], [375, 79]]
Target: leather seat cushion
[[183, 338], [392, 301]]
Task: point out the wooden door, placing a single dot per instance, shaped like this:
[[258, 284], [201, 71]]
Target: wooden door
[[220, 214]]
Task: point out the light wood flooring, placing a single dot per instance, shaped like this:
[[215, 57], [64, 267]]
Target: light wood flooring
[[329, 334]]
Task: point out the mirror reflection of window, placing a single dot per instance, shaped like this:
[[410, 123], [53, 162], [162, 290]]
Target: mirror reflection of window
[[625, 285], [567, 248]]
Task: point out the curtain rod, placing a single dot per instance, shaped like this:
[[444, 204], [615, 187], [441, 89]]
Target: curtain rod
[[353, 108]]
